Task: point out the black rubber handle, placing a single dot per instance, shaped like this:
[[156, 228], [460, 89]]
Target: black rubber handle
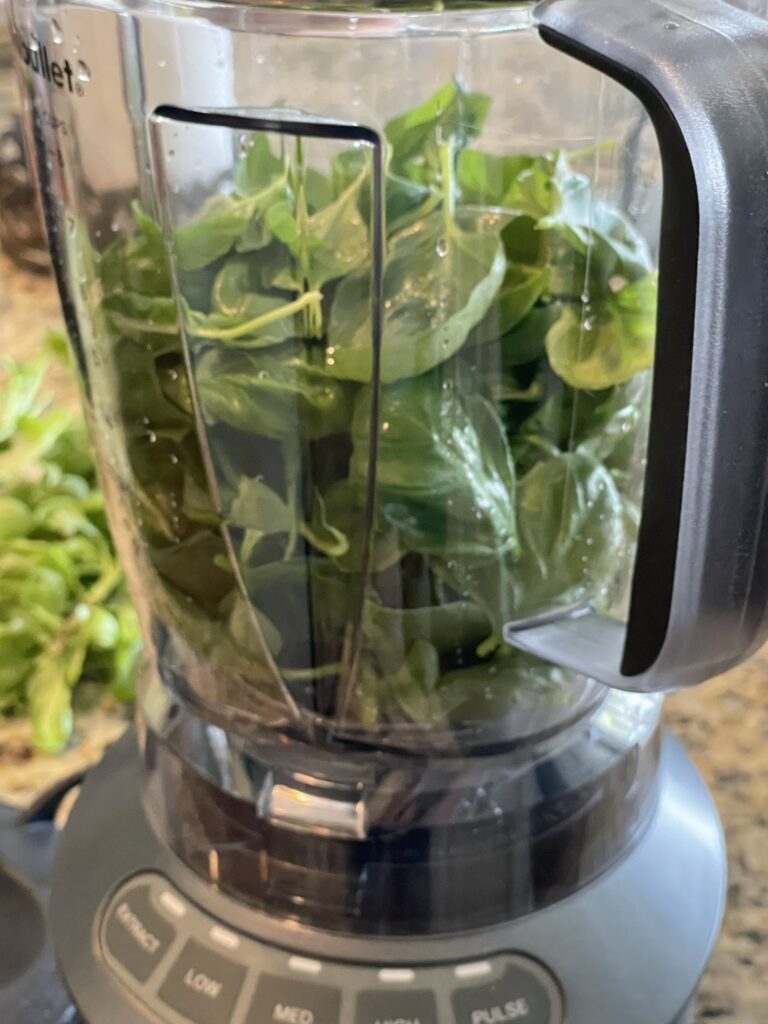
[[699, 591]]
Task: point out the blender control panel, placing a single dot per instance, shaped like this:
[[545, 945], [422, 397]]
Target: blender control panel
[[185, 967]]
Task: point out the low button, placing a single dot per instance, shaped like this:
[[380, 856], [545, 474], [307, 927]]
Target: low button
[[281, 1000], [203, 985], [518, 997], [136, 936], [406, 1006]]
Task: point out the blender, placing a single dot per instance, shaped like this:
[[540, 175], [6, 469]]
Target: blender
[[422, 350]]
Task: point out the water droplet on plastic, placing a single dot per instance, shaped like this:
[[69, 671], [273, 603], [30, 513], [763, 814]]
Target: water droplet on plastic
[[442, 247], [151, 436], [173, 374], [260, 58], [83, 71], [354, 22], [588, 325], [34, 44], [518, 80], [585, 297], [171, 153], [671, 25], [56, 33], [114, 226], [162, 62], [262, 374], [385, 426], [145, 420]]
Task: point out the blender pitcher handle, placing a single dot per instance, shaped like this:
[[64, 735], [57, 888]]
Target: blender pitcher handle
[[700, 584]]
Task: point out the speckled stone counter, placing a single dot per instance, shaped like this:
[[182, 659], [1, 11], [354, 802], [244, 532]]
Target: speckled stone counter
[[723, 723]]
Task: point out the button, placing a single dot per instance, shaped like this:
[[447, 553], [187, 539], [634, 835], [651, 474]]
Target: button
[[202, 985], [397, 975], [136, 935], [476, 969], [224, 937], [289, 1001], [172, 903], [378, 1006], [520, 995], [305, 965]]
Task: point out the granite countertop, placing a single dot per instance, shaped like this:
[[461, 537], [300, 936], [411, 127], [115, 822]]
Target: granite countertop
[[724, 725]]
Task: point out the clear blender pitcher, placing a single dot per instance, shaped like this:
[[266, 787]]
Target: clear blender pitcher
[[365, 306]]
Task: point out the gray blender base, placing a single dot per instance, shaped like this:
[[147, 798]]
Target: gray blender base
[[140, 938]]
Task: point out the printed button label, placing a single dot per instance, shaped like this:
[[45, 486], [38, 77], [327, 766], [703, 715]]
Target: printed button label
[[203, 985], [287, 1000], [136, 935]]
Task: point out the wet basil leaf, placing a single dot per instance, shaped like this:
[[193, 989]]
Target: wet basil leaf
[[439, 282], [277, 396], [444, 477], [595, 350]]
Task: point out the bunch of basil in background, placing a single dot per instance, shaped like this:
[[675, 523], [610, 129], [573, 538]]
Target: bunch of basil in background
[[68, 631], [518, 323]]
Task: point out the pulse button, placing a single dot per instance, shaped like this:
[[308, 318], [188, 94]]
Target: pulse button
[[203, 985], [519, 996], [136, 936]]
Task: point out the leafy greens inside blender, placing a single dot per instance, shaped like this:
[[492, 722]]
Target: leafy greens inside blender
[[517, 331]]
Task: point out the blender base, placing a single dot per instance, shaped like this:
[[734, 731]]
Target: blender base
[[140, 938]]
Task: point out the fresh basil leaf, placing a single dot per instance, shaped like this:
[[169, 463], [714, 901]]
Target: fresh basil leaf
[[330, 243], [451, 115], [508, 684], [246, 634], [137, 262], [277, 396], [520, 290], [485, 179], [222, 221], [594, 228], [444, 477], [403, 197], [259, 509], [258, 167], [453, 627], [244, 317], [179, 565], [574, 532], [439, 282], [597, 350]]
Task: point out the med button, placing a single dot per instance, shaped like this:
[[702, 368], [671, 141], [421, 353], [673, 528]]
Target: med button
[[521, 995], [203, 985], [280, 1000], [377, 1006], [136, 936]]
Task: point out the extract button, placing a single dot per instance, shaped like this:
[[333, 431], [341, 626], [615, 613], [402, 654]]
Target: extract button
[[136, 936]]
